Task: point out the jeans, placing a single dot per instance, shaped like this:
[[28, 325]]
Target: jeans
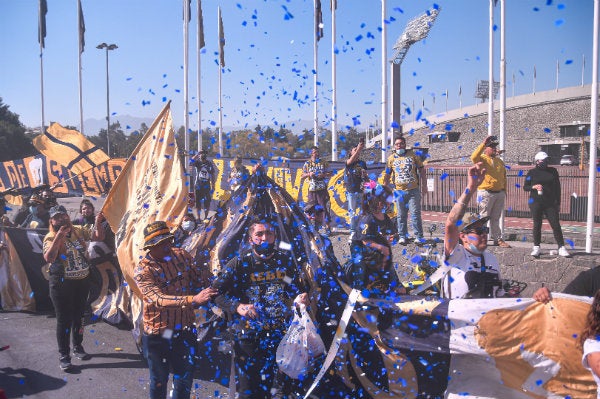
[[537, 213], [409, 201], [164, 355], [69, 298], [354, 202]]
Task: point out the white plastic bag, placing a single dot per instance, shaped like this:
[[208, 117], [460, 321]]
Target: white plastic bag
[[299, 346]]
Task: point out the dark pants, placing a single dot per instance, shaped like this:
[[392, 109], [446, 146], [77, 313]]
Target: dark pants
[[69, 298], [257, 373], [164, 355], [537, 212], [203, 197], [322, 199]]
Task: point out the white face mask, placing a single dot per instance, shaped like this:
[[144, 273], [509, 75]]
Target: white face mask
[[401, 151], [188, 226]]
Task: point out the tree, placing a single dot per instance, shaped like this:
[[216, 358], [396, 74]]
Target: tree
[[14, 143]]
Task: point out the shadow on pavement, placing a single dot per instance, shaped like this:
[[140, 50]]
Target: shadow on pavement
[[24, 382]]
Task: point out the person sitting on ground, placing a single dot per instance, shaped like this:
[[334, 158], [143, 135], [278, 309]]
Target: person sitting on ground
[[474, 270], [183, 231], [371, 265]]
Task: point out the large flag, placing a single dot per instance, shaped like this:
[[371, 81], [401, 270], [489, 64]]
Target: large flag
[[221, 41], [43, 10], [318, 20], [81, 27], [150, 187], [201, 42], [70, 149]]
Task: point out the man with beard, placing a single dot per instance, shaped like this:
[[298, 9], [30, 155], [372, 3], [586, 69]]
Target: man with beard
[[257, 290]]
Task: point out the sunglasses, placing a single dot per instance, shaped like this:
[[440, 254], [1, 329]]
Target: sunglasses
[[478, 230]]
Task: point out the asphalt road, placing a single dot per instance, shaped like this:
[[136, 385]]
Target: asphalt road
[[29, 367]]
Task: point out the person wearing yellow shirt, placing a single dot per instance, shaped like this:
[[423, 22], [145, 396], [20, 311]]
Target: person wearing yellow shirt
[[491, 194]]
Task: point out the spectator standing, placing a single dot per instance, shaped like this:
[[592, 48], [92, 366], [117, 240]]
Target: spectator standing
[[491, 194], [257, 290], [543, 185], [238, 175], [354, 176], [64, 248], [38, 217], [474, 272], [169, 280], [590, 341], [318, 176], [206, 176], [406, 171], [87, 217]]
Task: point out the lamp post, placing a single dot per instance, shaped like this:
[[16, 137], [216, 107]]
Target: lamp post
[[107, 47]]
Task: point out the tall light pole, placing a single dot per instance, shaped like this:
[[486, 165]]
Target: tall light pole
[[107, 47]]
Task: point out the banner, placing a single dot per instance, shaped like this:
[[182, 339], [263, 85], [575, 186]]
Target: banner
[[70, 149], [28, 173], [151, 187]]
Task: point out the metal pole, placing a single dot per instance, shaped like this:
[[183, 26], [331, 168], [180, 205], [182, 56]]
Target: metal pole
[[220, 90], [186, 105], [315, 78], [384, 84], [491, 72], [107, 108], [593, 135], [41, 40], [502, 91], [198, 76], [334, 150]]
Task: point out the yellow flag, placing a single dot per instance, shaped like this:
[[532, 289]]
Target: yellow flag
[[151, 187], [70, 149]]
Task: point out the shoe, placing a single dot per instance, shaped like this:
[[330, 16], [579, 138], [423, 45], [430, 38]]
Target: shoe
[[503, 244], [80, 353], [536, 251], [351, 238], [562, 251], [418, 240], [327, 232], [65, 363], [402, 241]]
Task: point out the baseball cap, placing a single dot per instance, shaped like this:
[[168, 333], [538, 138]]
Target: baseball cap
[[470, 220], [55, 210], [493, 141], [540, 156]]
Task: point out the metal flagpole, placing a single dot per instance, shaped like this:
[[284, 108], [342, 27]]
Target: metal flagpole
[[502, 91], [334, 150], [186, 105], [384, 84], [534, 76], [593, 136], [317, 10], [41, 38], [220, 85], [200, 45], [81, 29], [557, 71], [582, 68], [491, 72]]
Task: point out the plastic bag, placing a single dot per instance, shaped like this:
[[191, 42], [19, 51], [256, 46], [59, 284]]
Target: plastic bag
[[299, 346]]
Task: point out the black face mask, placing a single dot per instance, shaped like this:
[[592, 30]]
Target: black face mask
[[264, 250], [541, 164]]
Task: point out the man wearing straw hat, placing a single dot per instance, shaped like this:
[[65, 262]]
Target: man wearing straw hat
[[169, 282]]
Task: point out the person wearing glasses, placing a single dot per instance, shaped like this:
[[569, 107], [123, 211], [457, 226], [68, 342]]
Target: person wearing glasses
[[474, 271]]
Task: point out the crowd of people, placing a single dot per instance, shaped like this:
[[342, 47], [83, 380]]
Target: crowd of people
[[256, 288]]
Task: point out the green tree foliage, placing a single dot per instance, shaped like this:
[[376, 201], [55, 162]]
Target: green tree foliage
[[14, 142]]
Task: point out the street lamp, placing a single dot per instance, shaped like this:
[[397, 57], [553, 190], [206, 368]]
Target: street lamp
[[107, 47]]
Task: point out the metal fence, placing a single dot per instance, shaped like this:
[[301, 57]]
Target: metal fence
[[450, 181]]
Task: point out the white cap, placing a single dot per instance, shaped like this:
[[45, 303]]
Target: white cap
[[540, 156]]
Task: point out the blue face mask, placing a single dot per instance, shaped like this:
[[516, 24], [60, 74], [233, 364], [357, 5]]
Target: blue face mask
[[401, 151], [472, 248]]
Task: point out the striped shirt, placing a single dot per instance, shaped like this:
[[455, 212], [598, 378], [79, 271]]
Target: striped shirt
[[168, 287]]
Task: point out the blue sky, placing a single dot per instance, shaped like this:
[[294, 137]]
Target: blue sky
[[269, 57]]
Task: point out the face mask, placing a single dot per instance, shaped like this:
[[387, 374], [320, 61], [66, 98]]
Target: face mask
[[401, 151], [264, 250], [474, 249], [188, 226], [542, 164]]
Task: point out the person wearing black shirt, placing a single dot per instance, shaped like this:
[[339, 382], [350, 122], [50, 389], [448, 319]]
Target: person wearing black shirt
[[354, 176], [206, 176], [543, 185], [256, 290]]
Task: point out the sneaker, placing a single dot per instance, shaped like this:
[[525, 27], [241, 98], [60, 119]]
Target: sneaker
[[503, 244], [536, 251], [402, 241], [418, 240], [65, 363], [351, 238], [80, 353], [562, 251]]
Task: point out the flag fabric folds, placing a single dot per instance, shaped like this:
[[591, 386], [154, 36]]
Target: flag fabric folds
[[318, 20], [81, 27], [201, 42], [221, 41], [69, 148], [43, 10], [151, 187]]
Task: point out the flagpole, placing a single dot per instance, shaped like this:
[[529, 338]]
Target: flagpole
[[200, 45], [593, 135], [557, 70], [384, 84], [220, 80], [334, 150], [491, 72], [514, 83], [186, 105], [460, 96], [502, 91], [582, 68], [81, 45], [41, 36], [315, 73], [534, 76]]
